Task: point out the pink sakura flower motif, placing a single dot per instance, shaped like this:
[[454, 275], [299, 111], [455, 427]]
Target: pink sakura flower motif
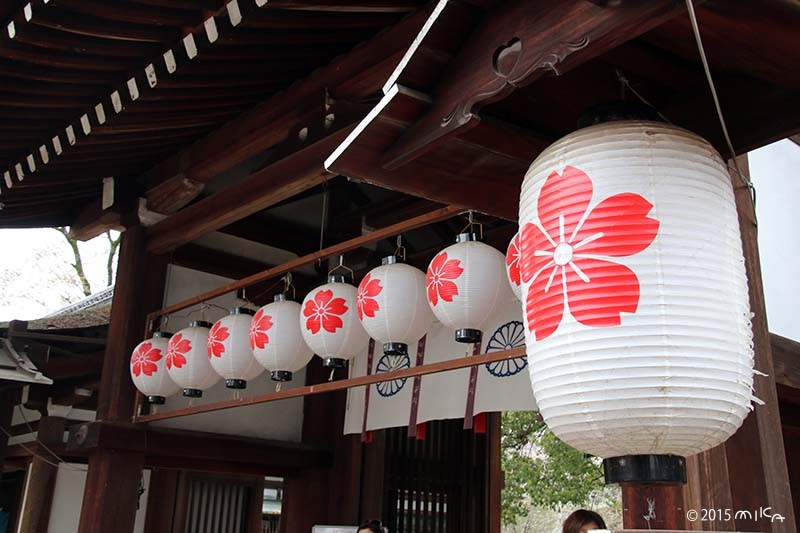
[[144, 359], [441, 278], [261, 323], [561, 255], [367, 290], [177, 349], [324, 312], [216, 340], [512, 260]]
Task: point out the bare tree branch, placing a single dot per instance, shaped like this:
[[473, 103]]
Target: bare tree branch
[[113, 246], [78, 264]]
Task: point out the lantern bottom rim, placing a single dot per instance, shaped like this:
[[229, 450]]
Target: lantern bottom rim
[[193, 393], [281, 375], [468, 335], [645, 469], [395, 348], [333, 362], [156, 400], [236, 383]]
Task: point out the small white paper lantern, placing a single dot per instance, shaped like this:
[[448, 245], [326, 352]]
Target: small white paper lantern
[[638, 321], [330, 324], [276, 339], [149, 371], [512, 266], [392, 305], [187, 360], [229, 349], [466, 282]]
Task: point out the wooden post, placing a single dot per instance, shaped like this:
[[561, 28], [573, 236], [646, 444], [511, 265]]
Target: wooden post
[[35, 512], [9, 398], [112, 483], [653, 506], [494, 485], [748, 472]]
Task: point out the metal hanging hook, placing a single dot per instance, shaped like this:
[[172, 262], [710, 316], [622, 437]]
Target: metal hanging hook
[[400, 250], [342, 266]]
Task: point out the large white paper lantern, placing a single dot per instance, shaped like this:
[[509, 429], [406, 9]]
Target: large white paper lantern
[[512, 266], [466, 282], [330, 324], [149, 371], [638, 321], [393, 306], [276, 339], [187, 360], [229, 349]]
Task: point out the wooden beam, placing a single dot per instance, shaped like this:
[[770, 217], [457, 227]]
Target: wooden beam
[[349, 6], [309, 390], [299, 165], [786, 360], [224, 264], [519, 42], [273, 232], [272, 121], [195, 446], [336, 249]]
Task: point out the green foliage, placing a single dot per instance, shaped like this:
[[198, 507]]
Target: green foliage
[[541, 470]]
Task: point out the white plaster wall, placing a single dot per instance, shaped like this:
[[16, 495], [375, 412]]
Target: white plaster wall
[[277, 420], [774, 171], [65, 512]]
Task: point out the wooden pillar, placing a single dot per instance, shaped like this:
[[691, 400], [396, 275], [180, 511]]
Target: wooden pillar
[[653, 506], [112, 483], [748, 472], [9, 399], [494, 476], [41, 481]]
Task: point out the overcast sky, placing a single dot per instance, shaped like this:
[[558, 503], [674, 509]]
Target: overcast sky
[[30, 259]]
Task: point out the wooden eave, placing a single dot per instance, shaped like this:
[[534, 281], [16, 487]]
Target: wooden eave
[[484, 88], [95, 89]]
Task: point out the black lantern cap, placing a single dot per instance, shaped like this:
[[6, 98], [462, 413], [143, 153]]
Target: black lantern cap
[[333, 362], [645, 469], [200, 324], [616, 111], [193, 393], [467, 237], [281, 375], [162, 334], [337, 278], [468, 335], [156, 400], [280, 297], [236, 383], [242, 311], [391, 260], [395, 348]]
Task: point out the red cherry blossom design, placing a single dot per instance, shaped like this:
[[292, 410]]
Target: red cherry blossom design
[[177, 349], [560, 254], [367, 290], [512, 260], [440, 278], [144, 359], [216, 340], [322, 312], [261, 323]]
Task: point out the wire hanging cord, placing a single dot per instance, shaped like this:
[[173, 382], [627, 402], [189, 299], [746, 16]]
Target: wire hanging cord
[[471, 225], [59, 461], [744, 179]]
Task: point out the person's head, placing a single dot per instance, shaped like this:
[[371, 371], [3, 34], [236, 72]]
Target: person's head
[[582, 521], [373, 526]]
